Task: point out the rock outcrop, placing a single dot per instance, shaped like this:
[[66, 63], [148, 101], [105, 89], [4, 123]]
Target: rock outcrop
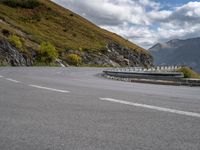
[[10, 55], [115, 55], [125, 56]]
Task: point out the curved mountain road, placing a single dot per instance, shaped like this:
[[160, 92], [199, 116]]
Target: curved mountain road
[[76, 109]]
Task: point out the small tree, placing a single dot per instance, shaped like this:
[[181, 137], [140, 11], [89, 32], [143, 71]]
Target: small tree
[[74, 59], [15, 40], [47, 52]]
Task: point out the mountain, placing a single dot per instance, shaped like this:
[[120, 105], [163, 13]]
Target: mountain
[[178, 52], [35, 21]]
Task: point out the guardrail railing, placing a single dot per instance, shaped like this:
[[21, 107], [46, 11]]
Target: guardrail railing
[[157, 75], [141, 69]]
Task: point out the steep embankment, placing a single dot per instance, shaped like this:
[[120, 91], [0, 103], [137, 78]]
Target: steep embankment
[[178, 52], [36, 21]]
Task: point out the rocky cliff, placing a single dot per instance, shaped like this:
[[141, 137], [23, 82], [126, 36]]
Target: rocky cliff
[[115, 55], [10, 55]]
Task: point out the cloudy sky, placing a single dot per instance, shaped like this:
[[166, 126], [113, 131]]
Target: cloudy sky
[[145, 22]]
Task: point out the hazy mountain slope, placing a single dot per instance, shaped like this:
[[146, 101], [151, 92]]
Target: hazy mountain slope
[[68, 31], [178, 52]]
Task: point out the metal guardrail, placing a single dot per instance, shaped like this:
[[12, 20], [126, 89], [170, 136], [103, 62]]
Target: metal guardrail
[[146, 75], [152, 69], [151, 73], [156, 76], [176, 82]]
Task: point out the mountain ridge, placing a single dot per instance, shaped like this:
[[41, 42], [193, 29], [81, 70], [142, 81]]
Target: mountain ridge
[[178, 52]]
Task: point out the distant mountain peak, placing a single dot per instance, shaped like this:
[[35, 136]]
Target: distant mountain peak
[[173, 41], [156, 47], [178, 52], [159, 46]]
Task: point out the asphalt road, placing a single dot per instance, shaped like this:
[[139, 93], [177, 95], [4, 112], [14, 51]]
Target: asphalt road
[[76, 109]]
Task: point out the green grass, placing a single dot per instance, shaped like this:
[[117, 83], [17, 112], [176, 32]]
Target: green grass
[[15, 40], [189, 73], [2, 65], [59, 26]]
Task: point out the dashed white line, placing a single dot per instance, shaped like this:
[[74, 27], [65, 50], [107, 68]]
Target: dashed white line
[[50, 89], [186, 113], [12, 80], [1, 76]]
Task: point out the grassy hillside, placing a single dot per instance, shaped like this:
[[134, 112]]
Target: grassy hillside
[[38, 21], [65, 29]]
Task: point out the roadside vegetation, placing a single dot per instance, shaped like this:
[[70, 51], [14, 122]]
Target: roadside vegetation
[[18, 43], [74, 59], [46, 54], [2, 65], [15, 40], [189, 73]]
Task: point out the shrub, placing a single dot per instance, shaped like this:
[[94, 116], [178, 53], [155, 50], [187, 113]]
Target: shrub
[[188, 73], [74, 59], [47, 53], [15, 40], [30, 4]]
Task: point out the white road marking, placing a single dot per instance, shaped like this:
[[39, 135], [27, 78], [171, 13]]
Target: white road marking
[[12, 80], [186, 113], [50, 89], [1, 76]]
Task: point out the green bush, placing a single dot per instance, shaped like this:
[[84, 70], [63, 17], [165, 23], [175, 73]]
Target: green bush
[[188, 73], [47, 53], [30, 4], [74, 59], [15, 40]]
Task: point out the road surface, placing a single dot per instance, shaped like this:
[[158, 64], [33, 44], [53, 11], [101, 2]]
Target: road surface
[[76, 109]]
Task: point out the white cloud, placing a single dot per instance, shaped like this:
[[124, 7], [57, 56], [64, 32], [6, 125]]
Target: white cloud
[[156, 16], [141, 35], [183, 22], [109, 12], [144, 22]]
